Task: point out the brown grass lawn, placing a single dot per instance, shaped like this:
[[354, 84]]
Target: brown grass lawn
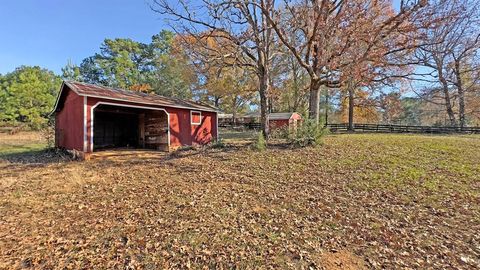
[[375, 201]]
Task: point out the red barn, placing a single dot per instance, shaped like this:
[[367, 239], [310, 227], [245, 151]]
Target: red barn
[[282, 120], [91, 117], [276, 120]]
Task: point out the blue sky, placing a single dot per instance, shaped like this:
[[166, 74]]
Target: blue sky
[[50, 32]]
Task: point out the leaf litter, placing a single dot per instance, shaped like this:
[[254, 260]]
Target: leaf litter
[[357, 202]]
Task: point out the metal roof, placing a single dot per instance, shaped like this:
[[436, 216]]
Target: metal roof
[[273, 116], [92, 90]]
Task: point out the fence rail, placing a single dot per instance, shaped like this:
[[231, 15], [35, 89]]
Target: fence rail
[[381, 128], [402, 128], [241, 125]]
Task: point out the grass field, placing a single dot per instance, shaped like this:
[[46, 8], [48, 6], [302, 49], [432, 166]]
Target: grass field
[[359, 201], [24, 143]]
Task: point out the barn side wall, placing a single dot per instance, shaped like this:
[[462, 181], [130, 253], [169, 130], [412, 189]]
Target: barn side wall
[[207, 130], [69, 122], [278, 123], [182, 132], [282, 123]]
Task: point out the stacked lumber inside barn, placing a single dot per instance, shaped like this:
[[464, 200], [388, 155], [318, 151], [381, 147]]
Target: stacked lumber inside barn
[[156, 130]]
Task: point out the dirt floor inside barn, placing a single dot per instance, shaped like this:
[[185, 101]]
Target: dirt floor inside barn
[[357, 202]]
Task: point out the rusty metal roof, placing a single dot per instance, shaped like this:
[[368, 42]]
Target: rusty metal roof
[[92, 90]]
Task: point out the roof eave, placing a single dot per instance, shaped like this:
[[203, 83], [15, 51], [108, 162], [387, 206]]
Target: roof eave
[[62, 87]]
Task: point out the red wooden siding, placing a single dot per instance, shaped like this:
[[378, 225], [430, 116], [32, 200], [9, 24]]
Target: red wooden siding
[[278, 123], [281, 123], [182, 132], [69, 122], [179, 127], [206, 131]]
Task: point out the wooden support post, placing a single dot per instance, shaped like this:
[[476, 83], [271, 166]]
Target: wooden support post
[[141, 130]]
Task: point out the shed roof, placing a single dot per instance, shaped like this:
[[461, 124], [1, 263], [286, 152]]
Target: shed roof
[[273, 116], [225, 115], [92, 90]]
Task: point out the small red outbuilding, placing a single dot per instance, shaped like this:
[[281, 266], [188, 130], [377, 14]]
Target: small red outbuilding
[[276, 120], [90, 117], [282, 120]]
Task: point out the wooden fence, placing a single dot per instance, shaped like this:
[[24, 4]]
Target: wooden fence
[[240, 125], [382, 128]]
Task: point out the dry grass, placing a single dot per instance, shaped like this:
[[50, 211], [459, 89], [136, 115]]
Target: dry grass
[[394, 201], [22, 142]]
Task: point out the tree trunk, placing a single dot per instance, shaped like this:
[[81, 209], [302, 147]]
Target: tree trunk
[[461, 95], [448, 101], [263, 69], [264, 89], [234, 110], [296, 95], [314, 102], [327, 96], [270, 105], [461, 106], [351, 105]]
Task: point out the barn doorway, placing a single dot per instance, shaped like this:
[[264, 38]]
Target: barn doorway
[[128, 126]]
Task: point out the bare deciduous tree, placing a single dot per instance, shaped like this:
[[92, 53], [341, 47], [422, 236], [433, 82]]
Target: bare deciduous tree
[[450, 55], [328, 37], [241, 30]]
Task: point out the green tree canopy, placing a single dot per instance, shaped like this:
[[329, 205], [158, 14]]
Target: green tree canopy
[[125, 62], [71, 72], [27, 95], [160, 66], [173, 75]]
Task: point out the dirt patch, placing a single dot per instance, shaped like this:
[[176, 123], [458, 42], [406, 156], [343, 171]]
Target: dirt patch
[[341, 260]]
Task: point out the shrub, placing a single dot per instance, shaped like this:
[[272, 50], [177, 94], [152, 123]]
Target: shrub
[[48, 133], [261, 143], [309, 133], [280, 133]]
